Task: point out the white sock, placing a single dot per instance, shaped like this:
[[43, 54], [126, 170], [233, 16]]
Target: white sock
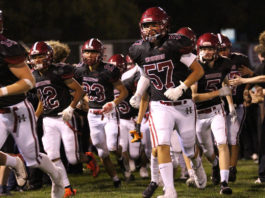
[[154, 169], [66, 181], [224, 175], [11, 161], [115, 178], [166, 171]]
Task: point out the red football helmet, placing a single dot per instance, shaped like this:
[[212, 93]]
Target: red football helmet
[[207, 41], [188, 32], [40, 55], [154, 15], [92, 45], [1, 22], [120, 62], [130, 63], [224, 41]]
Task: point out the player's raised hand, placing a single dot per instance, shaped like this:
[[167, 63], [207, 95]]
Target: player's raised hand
[[67, 113], [236, 81], [175, 93], [135, 101], [108, 107]]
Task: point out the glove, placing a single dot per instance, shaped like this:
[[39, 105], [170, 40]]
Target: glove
[[136, 134], [232, 113], [135, 101], [108, 107], [67, 113], [175, 93], [225, 91]]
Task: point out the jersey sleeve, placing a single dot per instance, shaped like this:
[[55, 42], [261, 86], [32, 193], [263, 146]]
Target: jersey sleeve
[[135, 51], [66, 71], [12, 52]]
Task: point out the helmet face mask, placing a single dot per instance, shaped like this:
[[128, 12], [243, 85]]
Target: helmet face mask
[[40, 55], [207, 47], [92, 51], [154, 24]]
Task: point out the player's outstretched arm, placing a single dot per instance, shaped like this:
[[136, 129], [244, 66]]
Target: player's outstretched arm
[[26, 80]]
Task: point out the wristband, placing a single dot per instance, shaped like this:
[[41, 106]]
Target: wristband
[[4, 91]]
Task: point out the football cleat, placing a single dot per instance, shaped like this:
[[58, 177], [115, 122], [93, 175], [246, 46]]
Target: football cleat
[[136, 136], [150, 189], [68, 192], [225, 189], [92, 164], [117, 183]]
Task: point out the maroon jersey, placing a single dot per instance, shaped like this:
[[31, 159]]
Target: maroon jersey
[[162, 64], [238, 60], [125, 109], [53, 92], [212, 80], [10, 53], [98, 83]]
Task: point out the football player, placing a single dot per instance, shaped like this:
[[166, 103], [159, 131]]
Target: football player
[[168, 66], [53, 84], [17, 115], [210, 113], [236, 116], [99, 79]]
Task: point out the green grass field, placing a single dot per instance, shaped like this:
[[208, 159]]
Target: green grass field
[[102, 187]]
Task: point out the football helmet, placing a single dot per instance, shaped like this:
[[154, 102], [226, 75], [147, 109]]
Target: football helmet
[[225, 45], [207, 47], [130, 63], [120, 62], [92, 45], [40, 55], [1, 22], [188, 32], [159, 18]]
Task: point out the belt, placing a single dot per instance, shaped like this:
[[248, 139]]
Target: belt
[[169, 103], [208, 110], [97, 112], [5, 110]]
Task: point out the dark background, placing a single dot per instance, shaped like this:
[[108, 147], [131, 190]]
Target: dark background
[[78, 20]]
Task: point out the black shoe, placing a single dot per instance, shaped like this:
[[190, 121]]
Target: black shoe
[[117, 184], [3, 191], [225, 189], [215, 175], [232, 174], [149, 191]]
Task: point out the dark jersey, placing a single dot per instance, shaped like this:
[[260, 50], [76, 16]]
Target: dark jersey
[[212, 80], [125, 109], [162, 64], [238, 60], [98, 83], [10, 53], [53, 92]]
